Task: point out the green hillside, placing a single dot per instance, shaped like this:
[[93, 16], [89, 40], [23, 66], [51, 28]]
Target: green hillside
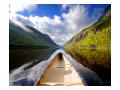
[[27, 45], [19, 37], [92, 46]]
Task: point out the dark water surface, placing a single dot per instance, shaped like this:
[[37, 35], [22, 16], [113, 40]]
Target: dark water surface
[[18, 57]]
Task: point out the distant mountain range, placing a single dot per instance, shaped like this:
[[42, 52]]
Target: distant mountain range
[[28, 36], [92, 46]]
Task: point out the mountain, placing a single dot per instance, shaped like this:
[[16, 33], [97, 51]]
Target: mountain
[[26, 44], [28, 36], [92, 46]]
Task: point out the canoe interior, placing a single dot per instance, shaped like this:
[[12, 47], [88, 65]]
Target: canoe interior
[[60, 72]]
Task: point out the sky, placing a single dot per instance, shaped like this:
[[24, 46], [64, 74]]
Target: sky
[[60, 21]]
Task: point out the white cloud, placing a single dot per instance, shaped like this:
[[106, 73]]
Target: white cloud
[[16, 7], [76, 18], [60, 29]]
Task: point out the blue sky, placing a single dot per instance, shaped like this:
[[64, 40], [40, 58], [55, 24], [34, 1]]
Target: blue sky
[[50, 10], [44, 10], [56, 19]]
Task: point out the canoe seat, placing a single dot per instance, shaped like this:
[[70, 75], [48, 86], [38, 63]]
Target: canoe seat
[[59, 65], [63, 66]]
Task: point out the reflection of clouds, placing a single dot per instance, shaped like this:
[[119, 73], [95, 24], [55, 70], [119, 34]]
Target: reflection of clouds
[[18, 75]]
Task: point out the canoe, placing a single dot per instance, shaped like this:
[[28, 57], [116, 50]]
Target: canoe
[[60, 69], [60, 72]]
